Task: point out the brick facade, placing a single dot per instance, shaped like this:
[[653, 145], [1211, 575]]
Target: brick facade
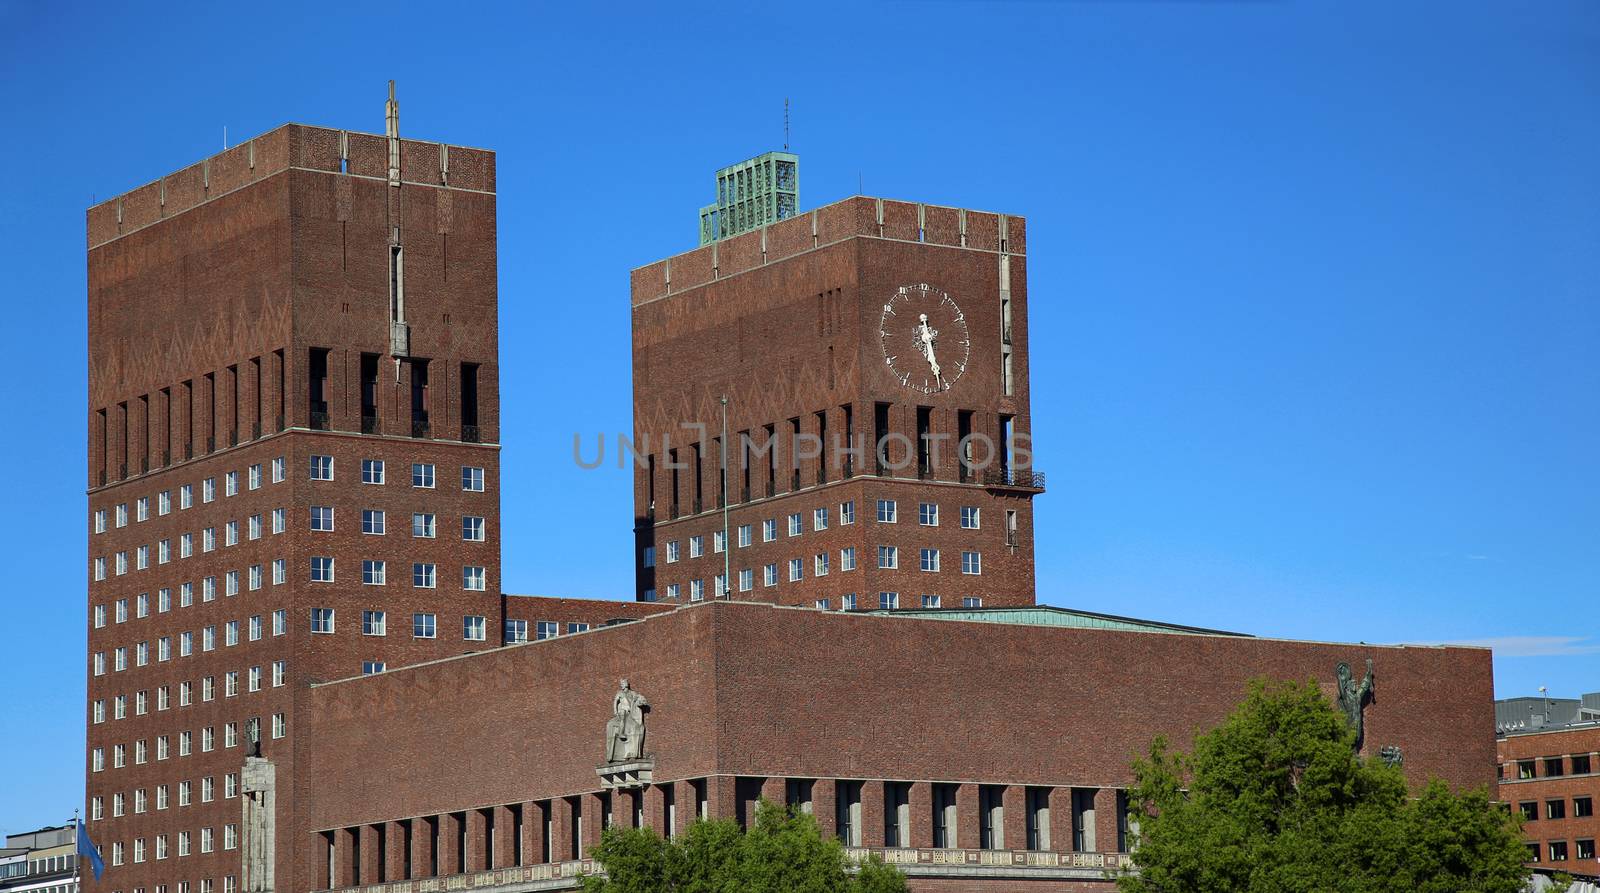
[[1553, 779]]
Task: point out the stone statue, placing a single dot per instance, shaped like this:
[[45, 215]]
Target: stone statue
[[252, 737], [625, 729], [258, 788], [1391, 755], [1353, 698]]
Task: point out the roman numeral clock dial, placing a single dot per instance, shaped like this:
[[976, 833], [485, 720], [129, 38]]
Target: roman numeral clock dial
[[925, 340]]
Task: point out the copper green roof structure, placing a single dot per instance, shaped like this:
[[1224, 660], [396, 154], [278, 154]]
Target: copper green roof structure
[[752, 194], [1049, 615]]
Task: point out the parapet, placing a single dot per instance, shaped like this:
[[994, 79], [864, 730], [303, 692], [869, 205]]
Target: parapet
[[291, 146], [856, 216]]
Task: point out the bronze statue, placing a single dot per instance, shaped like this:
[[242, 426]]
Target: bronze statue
[[625, 729], [1353, 698]]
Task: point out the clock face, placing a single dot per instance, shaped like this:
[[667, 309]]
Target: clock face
[[925, 339]]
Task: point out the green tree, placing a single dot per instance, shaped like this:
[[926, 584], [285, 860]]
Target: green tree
[[1275, 800], [783, 852]]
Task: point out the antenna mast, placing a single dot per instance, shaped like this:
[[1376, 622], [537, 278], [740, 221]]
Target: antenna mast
[[785, 123]]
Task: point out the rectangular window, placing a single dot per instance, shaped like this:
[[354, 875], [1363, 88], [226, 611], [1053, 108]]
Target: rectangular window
[[321, 569], [1585, 850], [255, 526], [1555, 809], [322, 620], [100, 521], [422, 525], [423, 575], [372, 667], [472, 479], [847, 512], [696, 546], [371, 471], [888, 601], [208, 539], [819, 565], [373, 572], [230, 533], [254, 476], [577, 627], [547, 629], [769, 574], [717, 544], [971, 602], [819, 518], [279, 518], [1580, 764], [929, 560], [164, 502], [971, 563], [930, 601], [278, 470], [969, 517], [697, 590], [372, 522], [795, 569], [322, 517], [280, 622], [280, 669], [280, 571], [928, 514], [474, 578], [230, 483], [743, 535], [474, 628], [888, 557], [185, 496], [796, 524], [1582, 807], [769, 530], [472, 529], [747, 580], [1554, 766], [515, 631], [374, 623], [322, 468], [887, 511], [673, 590], [422, 475], [208, 489]]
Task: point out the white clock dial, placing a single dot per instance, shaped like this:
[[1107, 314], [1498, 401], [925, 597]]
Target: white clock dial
[[925, 340]]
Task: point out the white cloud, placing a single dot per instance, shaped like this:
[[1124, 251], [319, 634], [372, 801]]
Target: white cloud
[[1533, 646]]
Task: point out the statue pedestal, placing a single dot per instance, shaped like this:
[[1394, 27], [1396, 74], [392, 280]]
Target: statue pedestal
[[626, 775]]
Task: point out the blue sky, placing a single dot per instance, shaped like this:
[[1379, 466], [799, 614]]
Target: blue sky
[[1313, 285]]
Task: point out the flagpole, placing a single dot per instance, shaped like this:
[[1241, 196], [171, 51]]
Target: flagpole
[[77, 858]]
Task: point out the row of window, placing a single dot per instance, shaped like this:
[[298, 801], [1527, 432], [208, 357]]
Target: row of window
[[1557, 851], [255, 527], [424, 525], [744, 534], [160, 850], [208, 493], [929, 560], [423, 474], [425, 625], [254, 680], [183, 644], [163, 750], [1554, 767], [1582, 808], [230, 884], [424, 574]]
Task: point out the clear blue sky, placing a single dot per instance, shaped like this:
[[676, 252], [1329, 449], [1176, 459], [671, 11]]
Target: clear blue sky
[[1313, 285]]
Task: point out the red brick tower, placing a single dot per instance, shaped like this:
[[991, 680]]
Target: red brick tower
[[293, 466], [866, 322]]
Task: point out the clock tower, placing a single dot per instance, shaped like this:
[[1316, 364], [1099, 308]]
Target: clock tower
[[872, 354]]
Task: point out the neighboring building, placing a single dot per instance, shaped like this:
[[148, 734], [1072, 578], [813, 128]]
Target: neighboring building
[[1549, 771], [751, 194], [294, 526], [874, 358], [42, 861]]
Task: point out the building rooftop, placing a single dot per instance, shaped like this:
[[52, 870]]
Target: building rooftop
[[1539, 713], [1047, 615]]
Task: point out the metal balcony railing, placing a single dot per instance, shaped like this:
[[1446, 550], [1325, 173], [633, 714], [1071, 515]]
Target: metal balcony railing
[[470, 434], [1014, 478]]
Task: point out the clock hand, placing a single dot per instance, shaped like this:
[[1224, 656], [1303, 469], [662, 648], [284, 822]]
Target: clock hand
[[925, 335]]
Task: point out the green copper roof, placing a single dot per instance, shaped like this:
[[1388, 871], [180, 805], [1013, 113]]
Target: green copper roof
[[1045, 615], [752, 194]]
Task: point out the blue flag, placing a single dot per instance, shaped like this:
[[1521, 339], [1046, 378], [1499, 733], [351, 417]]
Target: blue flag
[[86, 847]]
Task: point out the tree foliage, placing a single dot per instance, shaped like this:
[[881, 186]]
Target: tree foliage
[[1275, 800], [783, 852]]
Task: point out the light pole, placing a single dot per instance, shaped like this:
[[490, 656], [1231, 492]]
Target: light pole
[[727, 544]]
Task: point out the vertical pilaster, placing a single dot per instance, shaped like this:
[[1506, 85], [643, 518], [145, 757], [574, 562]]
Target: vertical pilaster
[[394, 851], [773, 790], [593, 823], [422, 846], [344, 857], [1014, 802], [533, 826], [371, 855], [1105, 819], [1061, 819], [655, 808], [921, 804], [968, 821], [721, 791], [872, 809], [503, 849], [824, 806], [476, 855], [561, 824], [449, 844]]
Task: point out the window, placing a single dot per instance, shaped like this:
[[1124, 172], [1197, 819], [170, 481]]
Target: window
[[971, 563], [231, 633], [769, 530], [322, 517], [208, 489], [279, 517], [322, 620], [373, 572], [847, 602], [280, 669], [322, 468], [672, 590], [422, 475], [1558, 850], [164, 600], [515, 630], [819, 518], [672, 551], [280, 571], [255, 526], [795, 569], [1580, 764], [280, 622], [230, 483], [1585, 850], [888, 557], [122, 514], [321, 569], [769, 574], [141, 509], [928, 514], [930, 601], [474, 628], [820, 604], [374, 623], [649, 595], [718, 544], [847, 512], [1525, 768], [254, 679], [929, 560], [99, 616], [796, 525], [141, 558], [423, 575], [697, 590], [472, 529], [696, 546], [474, 578], [1554, 766], [1529, 810], [142, 605], [422, 524], [424, 626], [164, 502], [547, 629], [185, 496], [372, 522], [886, 511], [371, 667], [100, 521], [208, 539], [969, 517], [254, 476], [971, 602], [743, 535], [371, 471], [122, 563], [1555, 809], [472, 479], [819, 565], [1582, 807], [278, 469], [577, 627], [888, 601], [747, 580]]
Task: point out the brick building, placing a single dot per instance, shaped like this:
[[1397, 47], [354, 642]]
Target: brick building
[[294, 526], [1550, 774]]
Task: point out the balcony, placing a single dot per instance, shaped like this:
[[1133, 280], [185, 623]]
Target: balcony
[[1014, 479], [420, 426], [319, 415], [470, 434]]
